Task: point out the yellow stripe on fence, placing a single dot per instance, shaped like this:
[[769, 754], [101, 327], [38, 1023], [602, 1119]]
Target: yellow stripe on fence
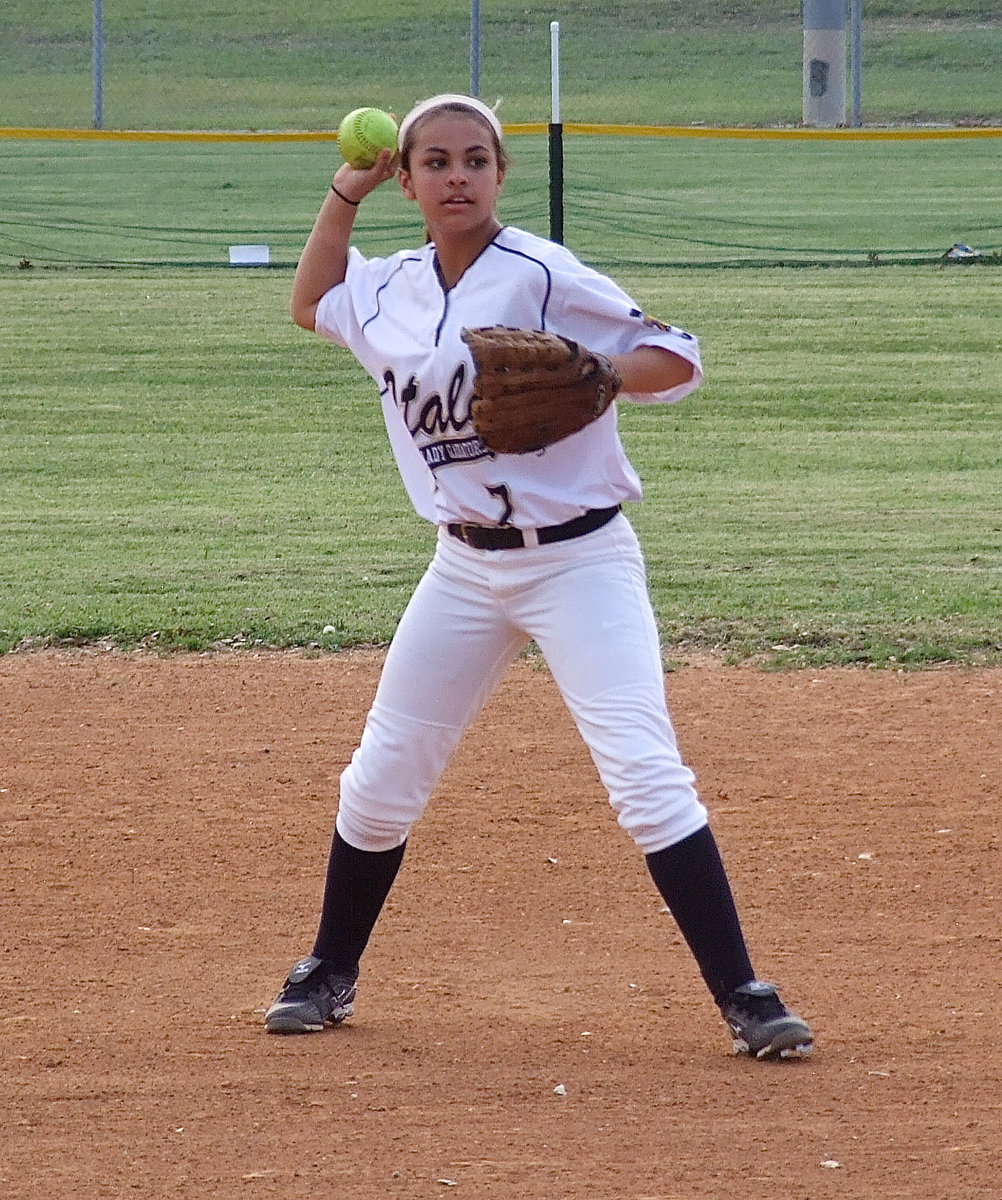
[[531, 127], [862, 135], [170, 135]]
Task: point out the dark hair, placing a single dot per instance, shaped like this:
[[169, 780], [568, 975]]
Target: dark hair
[[455, 106]]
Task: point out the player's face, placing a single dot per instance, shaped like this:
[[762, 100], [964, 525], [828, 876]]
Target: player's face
[[454, 174]]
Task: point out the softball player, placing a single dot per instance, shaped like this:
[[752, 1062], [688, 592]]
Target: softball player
[[530, 547]]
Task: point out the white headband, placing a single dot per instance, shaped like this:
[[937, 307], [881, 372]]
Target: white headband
[[426, 106]]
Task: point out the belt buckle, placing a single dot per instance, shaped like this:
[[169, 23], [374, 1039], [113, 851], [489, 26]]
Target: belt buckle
[[465, 532]]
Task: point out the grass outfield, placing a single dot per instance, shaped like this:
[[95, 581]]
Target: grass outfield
[[180, 466]]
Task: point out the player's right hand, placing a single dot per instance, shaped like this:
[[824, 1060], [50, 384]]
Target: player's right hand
[[355, 183]]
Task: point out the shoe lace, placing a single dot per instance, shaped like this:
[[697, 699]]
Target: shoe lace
[[340, 986], [319, 985], [761, 1008]]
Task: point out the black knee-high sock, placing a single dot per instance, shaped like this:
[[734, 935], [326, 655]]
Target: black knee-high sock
[[691, 878], [357, 884]]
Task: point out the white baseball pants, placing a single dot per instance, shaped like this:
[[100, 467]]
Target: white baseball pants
[[585, 603]]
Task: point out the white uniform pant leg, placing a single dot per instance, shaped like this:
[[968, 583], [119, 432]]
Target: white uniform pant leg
[[449, 652], [594, 624]]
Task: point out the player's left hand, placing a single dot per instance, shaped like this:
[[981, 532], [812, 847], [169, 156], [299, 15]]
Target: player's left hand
[[534, 388]]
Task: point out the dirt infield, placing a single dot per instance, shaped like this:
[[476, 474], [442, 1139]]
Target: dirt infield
[[529, 1025]]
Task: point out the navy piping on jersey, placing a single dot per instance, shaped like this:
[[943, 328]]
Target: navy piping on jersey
[[445, 294], [543, 267], [400, 266], [445, 291]]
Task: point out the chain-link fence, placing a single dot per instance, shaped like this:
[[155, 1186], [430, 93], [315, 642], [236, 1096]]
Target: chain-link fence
[[298, 64], [634, 200]]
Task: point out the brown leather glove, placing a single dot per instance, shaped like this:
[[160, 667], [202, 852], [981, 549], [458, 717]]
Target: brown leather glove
[[534, 388]]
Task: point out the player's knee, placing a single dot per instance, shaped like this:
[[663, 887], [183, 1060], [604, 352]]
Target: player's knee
[[376, 812]]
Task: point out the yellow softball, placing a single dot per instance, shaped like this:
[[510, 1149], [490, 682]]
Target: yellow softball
[[363, 133]]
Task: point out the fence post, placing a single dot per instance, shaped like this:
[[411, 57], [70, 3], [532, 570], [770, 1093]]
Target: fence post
[[857, 61], [97, 56], [475, 48]]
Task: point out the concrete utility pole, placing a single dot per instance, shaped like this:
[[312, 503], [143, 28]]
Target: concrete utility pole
[[825, 23]]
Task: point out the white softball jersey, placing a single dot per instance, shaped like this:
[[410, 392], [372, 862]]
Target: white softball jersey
[[403, 325]]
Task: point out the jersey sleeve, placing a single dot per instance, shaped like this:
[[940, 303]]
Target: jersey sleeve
[[594, 310], [337, 313]]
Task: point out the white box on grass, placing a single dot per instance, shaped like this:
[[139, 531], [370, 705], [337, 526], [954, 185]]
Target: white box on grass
[[249, 256]]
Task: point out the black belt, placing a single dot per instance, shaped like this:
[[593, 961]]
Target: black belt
[[507, 537]]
